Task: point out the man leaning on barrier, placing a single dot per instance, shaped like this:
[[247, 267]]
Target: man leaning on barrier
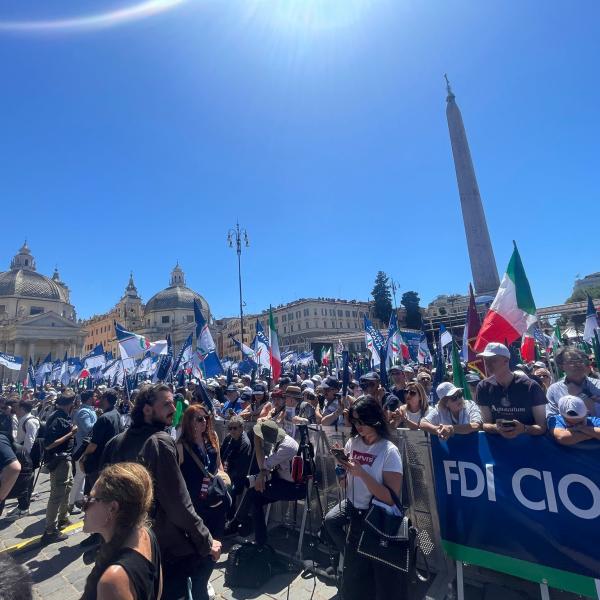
[[572, 425], [452, 414], [511, 404], [576, 382]]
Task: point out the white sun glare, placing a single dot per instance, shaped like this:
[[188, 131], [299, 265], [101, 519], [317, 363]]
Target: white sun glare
[[139, 10]]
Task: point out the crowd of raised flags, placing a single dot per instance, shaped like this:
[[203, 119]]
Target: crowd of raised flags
[[511, 320]]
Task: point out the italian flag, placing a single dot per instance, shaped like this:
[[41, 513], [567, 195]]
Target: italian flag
[[275, 355], [513, 309], [325, 355]]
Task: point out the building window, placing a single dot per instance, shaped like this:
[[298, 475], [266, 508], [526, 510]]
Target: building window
[[290, 316], [35, 310], [285, 329], [348, 324], [347, 313], [276, 319], [315, 312], [297, 314], [307, 325], [306, 312], [2, 308], [189, 318], [354, 314], [283, 318], [148, 322], [340, 313], [324, 324], [333, 324], [291, 328], [165, 319]]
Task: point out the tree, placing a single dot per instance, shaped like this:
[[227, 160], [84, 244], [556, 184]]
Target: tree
[[410, 301], [382, 297], [581, 294]]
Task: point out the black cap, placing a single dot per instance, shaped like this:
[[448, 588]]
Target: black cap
[[370, 377], [330, 382], [232, 388]]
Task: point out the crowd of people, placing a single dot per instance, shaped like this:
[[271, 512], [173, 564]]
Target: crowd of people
[[159, 490]]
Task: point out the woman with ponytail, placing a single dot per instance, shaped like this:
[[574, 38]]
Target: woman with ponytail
[[128, 563]]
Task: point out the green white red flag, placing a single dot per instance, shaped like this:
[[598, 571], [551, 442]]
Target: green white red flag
[[513, 311]]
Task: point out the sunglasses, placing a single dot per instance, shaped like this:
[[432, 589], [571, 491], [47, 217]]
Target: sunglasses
[[232, 428], [87, 501], [412, 392], [200, 419], [426, 379], [455, 398]]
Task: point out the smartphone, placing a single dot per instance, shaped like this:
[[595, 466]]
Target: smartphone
[[506, 423], [339, 454]]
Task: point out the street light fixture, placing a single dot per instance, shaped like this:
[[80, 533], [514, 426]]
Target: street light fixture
[[239, 236]]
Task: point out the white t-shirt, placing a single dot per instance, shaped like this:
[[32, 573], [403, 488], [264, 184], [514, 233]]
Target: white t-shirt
[[375, 459], [469, 413], [415, 417]]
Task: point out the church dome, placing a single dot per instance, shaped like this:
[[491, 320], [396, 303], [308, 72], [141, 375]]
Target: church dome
[[22, 280], [176, 296]]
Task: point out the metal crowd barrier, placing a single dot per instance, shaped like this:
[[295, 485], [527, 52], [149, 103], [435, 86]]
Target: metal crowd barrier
[[415, 450]]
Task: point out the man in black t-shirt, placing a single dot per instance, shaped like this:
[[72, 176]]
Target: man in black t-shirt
[[58, 441], [104, 429], [510, 404]]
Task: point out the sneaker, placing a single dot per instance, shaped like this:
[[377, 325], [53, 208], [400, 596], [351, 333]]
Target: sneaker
[[16, 513], [210, 591], [64, 523], [74, 509], [51, 537]]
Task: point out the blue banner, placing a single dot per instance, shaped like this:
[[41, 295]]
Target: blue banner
[[527, 506]]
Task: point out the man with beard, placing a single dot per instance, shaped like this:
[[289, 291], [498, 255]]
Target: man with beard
[[185, 543]]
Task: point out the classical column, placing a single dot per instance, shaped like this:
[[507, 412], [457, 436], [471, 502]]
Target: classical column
[[19, 345], [31, 352]]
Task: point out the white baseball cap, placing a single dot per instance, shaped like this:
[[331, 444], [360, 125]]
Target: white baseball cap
[[572, 406], [446, 389], [495, 349]]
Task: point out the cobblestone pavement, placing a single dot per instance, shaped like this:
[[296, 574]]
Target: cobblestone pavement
[[58, 571]]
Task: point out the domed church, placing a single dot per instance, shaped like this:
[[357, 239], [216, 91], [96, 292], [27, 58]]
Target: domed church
[[172, 310], [36, 315]]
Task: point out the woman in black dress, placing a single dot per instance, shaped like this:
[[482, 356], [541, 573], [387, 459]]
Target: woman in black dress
[[128, 563]]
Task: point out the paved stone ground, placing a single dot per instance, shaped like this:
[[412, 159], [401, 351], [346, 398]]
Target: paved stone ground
[[58, 571]]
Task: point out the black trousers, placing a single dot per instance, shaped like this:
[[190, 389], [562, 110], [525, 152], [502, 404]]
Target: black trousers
[[365, 578], [276, 489]]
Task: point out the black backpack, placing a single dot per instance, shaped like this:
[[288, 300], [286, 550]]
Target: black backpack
[[251, 566], [38, 449]]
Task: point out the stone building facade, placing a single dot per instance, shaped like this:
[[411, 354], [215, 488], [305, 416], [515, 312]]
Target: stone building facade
[[36, 315]]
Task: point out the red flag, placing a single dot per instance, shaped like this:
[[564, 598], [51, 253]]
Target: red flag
[[472, 326], [528, 348]]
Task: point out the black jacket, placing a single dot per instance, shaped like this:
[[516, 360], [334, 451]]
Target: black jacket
[[236, 456], [179, 530]]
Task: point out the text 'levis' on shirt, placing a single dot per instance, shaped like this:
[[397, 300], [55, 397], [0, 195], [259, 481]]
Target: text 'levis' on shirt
[[374, 459]]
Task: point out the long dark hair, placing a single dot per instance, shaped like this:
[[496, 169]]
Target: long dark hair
[[130, 485], [370, 413]]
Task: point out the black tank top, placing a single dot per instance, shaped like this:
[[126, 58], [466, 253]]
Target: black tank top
[[143, 574]]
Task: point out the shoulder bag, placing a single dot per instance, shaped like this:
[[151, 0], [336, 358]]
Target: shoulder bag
[[391, 540], [217, 489]]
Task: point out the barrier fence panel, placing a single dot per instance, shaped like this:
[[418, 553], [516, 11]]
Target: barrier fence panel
[[527, 507]]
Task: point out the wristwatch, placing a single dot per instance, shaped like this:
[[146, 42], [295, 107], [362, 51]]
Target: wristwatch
[[525, 428]]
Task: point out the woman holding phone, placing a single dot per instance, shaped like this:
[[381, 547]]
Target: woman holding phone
[[373, 469]]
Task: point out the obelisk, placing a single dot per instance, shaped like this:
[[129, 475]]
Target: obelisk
[[481, 254]]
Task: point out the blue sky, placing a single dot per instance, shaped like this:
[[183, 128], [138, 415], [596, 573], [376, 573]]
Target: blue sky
[[319, 124]]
